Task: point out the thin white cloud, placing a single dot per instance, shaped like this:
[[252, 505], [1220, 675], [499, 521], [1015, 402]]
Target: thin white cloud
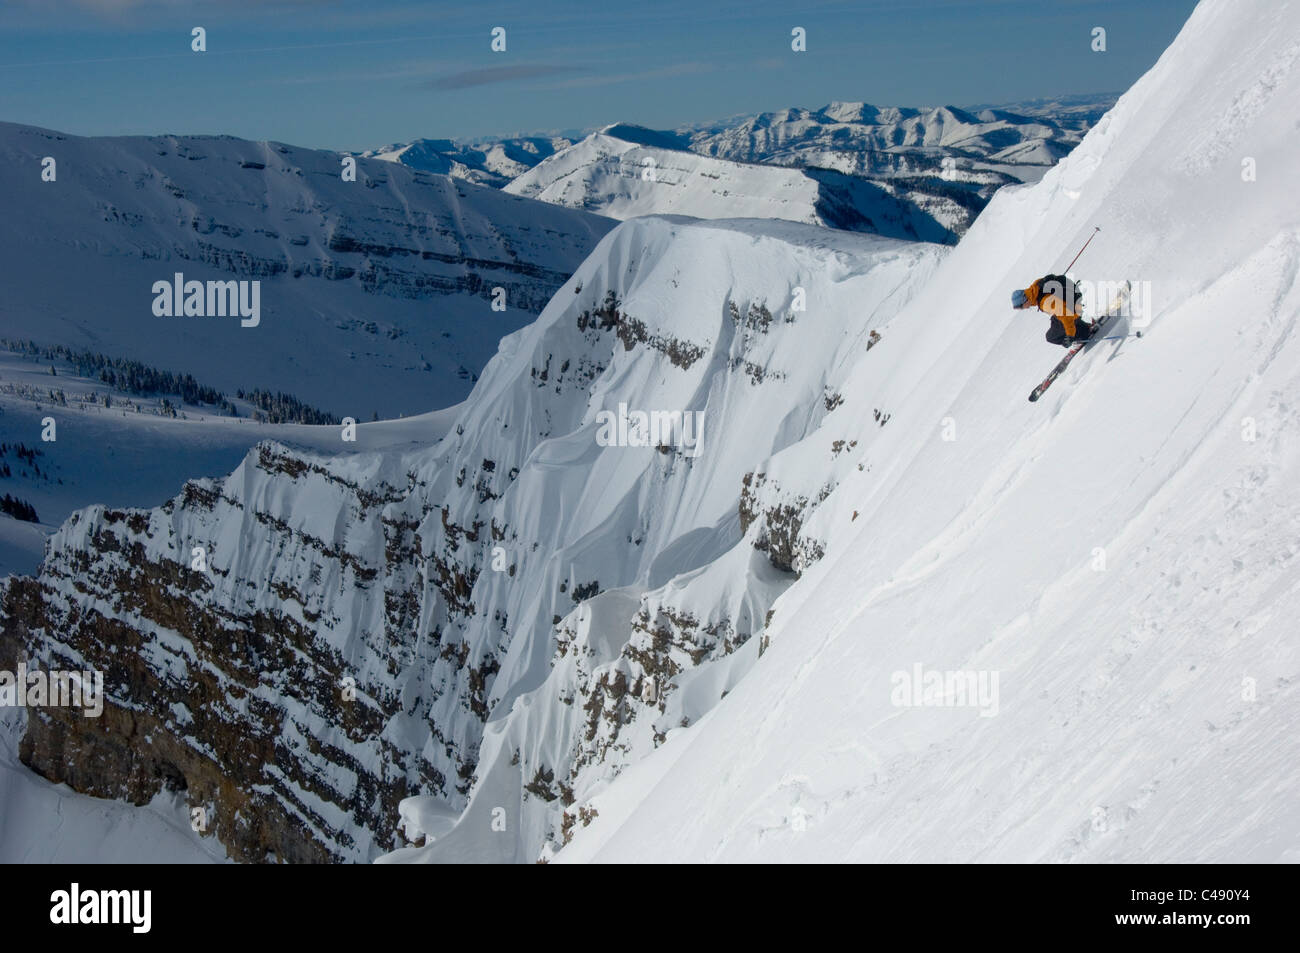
[[607, 79], [490, 75]]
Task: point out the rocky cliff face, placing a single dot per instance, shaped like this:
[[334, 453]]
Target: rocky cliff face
[[253, 694], [305, 643]]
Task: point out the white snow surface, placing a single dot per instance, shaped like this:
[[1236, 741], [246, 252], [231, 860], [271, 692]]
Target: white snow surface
[[1147, 710], [624, 179], [613, 176]]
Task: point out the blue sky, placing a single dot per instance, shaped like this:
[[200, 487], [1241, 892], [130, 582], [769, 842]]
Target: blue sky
[[352, 75]]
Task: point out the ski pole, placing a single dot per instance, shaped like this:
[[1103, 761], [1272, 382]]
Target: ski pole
[[1081, 250], [1120, 337]]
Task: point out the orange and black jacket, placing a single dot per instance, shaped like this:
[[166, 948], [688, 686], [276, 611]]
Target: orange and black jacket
[[1058, 296]]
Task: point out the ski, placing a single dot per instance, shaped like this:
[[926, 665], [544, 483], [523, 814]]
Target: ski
[[1113, 312]]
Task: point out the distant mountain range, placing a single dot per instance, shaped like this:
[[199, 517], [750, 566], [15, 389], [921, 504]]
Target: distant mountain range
[[489, 163], [930, 171]]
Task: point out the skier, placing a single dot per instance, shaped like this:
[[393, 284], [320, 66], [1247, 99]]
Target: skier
[[1058, 296]]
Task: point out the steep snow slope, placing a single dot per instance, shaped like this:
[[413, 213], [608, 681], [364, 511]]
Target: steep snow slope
[[644, 545], [1121, 556], [613, 176], [375, 294]]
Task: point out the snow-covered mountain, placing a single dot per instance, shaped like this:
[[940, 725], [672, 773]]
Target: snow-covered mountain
[[492, 163], [1024, 137], [927, 172], [375, 294], [434, 579], [864, 139], [566, 641], [624, 172]]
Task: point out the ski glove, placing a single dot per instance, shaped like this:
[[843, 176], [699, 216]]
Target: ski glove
[[1082, 332]]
